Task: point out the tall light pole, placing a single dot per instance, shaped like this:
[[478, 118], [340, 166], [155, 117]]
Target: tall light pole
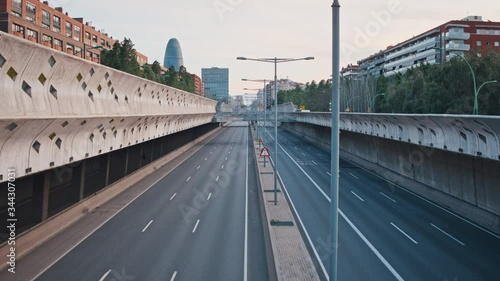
[[476, 89], [373, 101], [265, 101], [275, 60], [334, 181]]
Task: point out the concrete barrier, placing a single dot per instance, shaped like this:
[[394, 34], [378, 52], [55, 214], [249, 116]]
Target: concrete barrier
[[468, 185], [57, 109]]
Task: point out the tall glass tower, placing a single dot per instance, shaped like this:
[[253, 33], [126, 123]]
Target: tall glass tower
[[216, 83], [173, 55]]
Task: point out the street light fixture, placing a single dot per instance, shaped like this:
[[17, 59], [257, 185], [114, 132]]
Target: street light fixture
[[476, 89], [265, 102], [373, 101], [275, 60], [95, 47]]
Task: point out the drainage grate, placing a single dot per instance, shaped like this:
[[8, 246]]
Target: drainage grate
[[281, 223]]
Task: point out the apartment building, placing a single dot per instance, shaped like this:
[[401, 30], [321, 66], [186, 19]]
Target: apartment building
[[471, 34]]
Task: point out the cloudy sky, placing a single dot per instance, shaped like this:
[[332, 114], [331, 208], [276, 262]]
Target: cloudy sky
[[215, 32]]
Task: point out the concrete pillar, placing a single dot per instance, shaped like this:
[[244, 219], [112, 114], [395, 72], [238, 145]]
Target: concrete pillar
[[108, 161], [82, 180], [126, 160], [45, 195]]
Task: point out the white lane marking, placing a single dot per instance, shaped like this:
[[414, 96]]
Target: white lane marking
[[217, 179], [354, 176], [209, 195], [430, 202], [329, 174], [315, 163], [408, 236], [173, 196], [357, 196], [386, 196], [146, 227], [206, 159], [211, 152], [105, 275], [449, 235], [222, 167], [188, 179], [245, 259], [367, 242], [302, 154], [198, 168], [319, 154], [173, 276], [295, 147], [226, 158], [229, 152], [210, 138], [195, 226]]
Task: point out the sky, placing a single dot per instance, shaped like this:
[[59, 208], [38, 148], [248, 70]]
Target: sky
[[212, 33]]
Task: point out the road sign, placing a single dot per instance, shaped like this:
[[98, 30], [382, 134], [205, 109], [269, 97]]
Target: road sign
[[265, 152]]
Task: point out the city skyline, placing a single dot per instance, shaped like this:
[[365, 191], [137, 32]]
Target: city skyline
[[216, 32]]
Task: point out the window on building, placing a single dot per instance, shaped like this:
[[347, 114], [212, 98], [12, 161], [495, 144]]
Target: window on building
[[56, 24], [30, 11], [47, 39], [17, 28], [69, 48], [17, 8], [87, 38], [45, 19], [32, 34], [497, 44], [57, 43], [78, 33], [103, 42], [94, 38], [478, 43], [78, 51], [69, 29]]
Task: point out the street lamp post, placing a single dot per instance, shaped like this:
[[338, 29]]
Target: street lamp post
[[373, 101], [275, 60], [265, 107], [335, 141], [476, 89], [95, 47], [258, 105]]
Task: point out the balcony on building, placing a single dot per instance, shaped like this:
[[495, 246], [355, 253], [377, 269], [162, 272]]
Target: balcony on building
[[457, 35], [457, 47]]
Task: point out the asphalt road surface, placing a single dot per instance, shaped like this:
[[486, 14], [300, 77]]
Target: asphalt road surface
[[385, 231]]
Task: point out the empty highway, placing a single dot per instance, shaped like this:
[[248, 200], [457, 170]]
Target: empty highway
[[197, 223], [385, 232]]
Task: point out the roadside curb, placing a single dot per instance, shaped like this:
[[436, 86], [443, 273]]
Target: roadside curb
[[291, 256]]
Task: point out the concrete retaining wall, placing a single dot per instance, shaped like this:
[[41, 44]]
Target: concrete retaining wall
[[465, 184], [58, 109]]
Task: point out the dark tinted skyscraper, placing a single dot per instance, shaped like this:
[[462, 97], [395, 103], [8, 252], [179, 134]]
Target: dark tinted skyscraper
[[173, 55], [216, 83]]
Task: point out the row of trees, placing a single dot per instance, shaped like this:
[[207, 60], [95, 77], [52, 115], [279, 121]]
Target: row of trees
[[425, 89], [123, 57]]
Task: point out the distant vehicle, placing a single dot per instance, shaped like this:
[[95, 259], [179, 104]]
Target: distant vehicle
[[304, 110]]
